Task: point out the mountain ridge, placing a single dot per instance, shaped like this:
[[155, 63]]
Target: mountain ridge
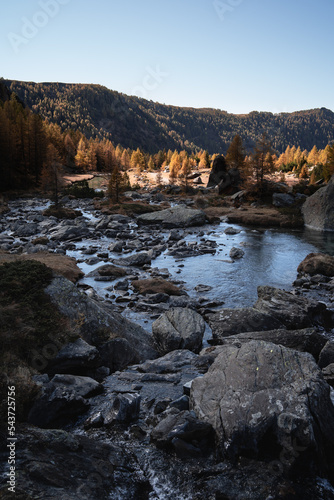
[[135, 122]]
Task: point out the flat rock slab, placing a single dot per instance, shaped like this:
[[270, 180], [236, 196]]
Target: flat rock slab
[[175, 217], [295, 312], [305, 340], [228, 322]]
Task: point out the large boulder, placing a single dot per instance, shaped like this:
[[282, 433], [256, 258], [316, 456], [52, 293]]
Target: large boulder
[[266, 401], [179, 216], [283, 199], [317, 263], [76, 358], [221, 177], [228, 322], [96, 322], [179, 328], [62, 400], [218, 171], [293, 311], [318, 209]]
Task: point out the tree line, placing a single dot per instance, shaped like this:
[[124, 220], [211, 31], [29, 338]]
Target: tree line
[[33, 151], [100, 113]]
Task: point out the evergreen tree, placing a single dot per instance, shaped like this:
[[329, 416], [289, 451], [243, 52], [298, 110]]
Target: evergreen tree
[[235, 156], [118, 183], [261, 160], [312, 158]]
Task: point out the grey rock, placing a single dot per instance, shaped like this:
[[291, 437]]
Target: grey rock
[[138, 260], [283, 199], [97, 322], [262, 389], [181, 403], [328, 374], [70, 232], [62, 400], [306, 340], [228, 322], [116, 247], [182, 426], [124, 409], [236, 253], [172, 362], [25, 229], [117, 354], [75, 358], [179, 216], [232, 231], [179, 328], [327, 354], [318, 209], [122, 285], [293, 311]]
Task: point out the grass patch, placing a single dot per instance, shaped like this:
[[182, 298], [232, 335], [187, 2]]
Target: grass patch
[[61, 212], [81, 189], [28, 323]]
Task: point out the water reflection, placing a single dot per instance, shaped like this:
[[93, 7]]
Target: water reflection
[[271, 258]]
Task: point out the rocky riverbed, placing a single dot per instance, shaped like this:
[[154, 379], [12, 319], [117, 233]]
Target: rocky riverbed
[[202, 396]]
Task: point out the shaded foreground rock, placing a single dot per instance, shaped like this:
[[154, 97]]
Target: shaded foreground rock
[[98, 323], [264, 400], [317, 263], [293, 311], [228, 322], [179, 328], [56, 464], [62, 400], [75, 358], [179, 216]]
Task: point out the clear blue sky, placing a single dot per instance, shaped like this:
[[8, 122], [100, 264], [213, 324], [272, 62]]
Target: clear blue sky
[[235, 55]]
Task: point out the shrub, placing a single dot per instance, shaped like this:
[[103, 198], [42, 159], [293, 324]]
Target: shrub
[[81, 189], [28, 322]]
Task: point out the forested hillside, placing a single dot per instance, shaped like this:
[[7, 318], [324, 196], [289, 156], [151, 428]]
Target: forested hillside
[[133, 122]]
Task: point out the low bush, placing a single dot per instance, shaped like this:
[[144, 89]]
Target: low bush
[[81, 189], [28, 323]]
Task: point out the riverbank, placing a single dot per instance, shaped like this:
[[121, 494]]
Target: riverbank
[[119, 416]]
